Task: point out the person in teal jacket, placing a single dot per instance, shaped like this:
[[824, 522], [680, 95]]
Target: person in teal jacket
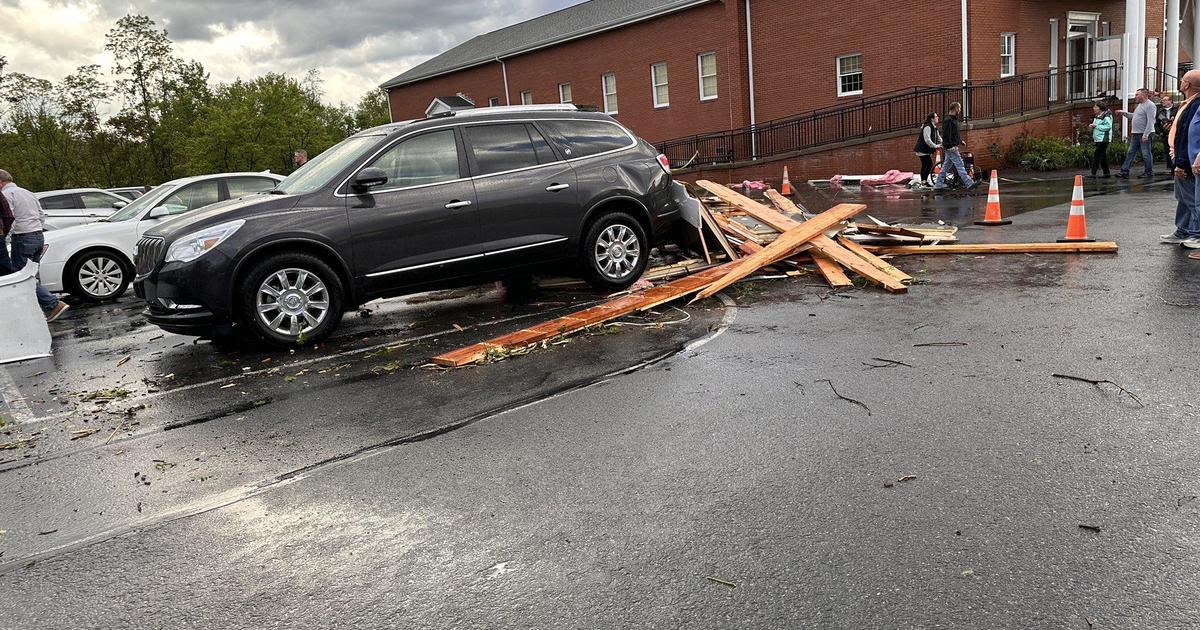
[[1102, 124]]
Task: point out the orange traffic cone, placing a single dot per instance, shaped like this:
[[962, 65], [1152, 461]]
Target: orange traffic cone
[[1077, 221], [937, 162], [992, 215], [786, 187]]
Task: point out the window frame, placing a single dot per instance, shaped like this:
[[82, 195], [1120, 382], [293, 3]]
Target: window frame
[[654, 85], [700, 76], [493, 101], [604, 93], [560, 93], [861, 72], [524, 94], [1010, 39]]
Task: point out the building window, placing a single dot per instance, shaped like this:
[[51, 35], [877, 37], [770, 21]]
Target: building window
[[609, 84], [494, 101], [564, 92], [527, 98], [707, 64], [850, 75], [1008, 54], [658, 81]]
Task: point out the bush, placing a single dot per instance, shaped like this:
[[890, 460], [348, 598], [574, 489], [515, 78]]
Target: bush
[[1052, 153]]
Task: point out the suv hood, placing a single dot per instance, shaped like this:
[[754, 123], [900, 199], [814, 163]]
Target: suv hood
[[221, 212]]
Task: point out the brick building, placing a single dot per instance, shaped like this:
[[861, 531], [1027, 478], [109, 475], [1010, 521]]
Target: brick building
[[671, 68]]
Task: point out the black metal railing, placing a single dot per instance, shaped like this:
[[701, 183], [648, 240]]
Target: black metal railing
[[894, 111]]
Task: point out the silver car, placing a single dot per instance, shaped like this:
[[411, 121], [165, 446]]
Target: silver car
[[78, 206]]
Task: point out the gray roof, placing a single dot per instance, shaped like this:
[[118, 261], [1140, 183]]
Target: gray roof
[[572, 22]]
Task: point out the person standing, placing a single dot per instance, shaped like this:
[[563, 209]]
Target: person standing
[[6, 223], [1163, 120], [1102, 124], [27, 240], [1179, 152], [952, 155], [1141, 134], [928, 142]]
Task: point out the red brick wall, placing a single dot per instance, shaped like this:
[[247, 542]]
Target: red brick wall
[[883, 155]]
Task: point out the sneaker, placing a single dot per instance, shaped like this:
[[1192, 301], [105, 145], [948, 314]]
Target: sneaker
[[1172, 239], [1194, 255], [974, 185], [1123, 175], [1192, 243], [62, 307]]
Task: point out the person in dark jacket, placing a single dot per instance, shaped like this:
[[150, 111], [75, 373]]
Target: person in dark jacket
[[1164, 119], [1102, 125], [951, 143], [6, 223], [929, 140], [1178, 143]]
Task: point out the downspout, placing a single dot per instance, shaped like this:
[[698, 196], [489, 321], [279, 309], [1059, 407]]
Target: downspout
[[750, 69], [966, 68], [504, 72]]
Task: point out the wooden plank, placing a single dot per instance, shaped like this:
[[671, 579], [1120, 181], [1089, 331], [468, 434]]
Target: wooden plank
[[706, 218], [830, 270], [890, 230], [874, 260], [573, 322], [769, 216], [785, 205], [784, 246], [1104, 247], [738, 230], [850, 260]]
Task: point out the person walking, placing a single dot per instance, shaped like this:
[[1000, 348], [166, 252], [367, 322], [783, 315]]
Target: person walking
[[1163, 120], [929, 140], [1102, 124], [1179, 152], [27, 240], [1140, 134], [952, 154]]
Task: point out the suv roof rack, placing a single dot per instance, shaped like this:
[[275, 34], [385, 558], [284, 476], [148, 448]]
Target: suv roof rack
[[497, 109]]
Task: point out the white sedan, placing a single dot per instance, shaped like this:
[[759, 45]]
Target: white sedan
[[95, 261]]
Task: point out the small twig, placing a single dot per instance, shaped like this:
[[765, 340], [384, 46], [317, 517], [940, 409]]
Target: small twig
[[1183, 304], [1100, 382], [921, 326], [887, 363], [939, 344], [720, 581], [845, 398], [1091, 528]]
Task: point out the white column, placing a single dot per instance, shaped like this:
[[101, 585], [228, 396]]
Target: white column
[[1171, 43], [1195, 17], [1135, 45]]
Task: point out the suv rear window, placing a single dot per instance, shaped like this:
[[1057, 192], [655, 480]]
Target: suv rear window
[[581, 138], [500, 148]]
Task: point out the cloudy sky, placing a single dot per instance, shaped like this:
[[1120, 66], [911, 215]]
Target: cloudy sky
[[356, 44]]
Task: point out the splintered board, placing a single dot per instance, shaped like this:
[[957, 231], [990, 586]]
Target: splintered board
[[567, 324]]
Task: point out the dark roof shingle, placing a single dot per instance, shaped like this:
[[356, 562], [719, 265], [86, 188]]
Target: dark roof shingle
[[569, 23]]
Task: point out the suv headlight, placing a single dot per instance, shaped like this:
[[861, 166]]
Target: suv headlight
[[197, 244]]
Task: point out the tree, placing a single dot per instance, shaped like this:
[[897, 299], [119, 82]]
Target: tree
[[372, 110]]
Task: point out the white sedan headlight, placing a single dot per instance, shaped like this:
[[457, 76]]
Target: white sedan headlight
[[197, 244]]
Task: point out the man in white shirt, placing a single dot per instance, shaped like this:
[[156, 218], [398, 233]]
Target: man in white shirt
[[27, 240], [1140, 134]]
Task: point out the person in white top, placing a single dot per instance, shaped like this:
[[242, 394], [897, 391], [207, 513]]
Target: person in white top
[[27, 240]]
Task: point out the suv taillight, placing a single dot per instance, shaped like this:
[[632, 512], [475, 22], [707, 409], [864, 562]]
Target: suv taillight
[[664, 163]]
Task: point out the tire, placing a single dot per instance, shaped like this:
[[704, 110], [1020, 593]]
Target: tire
[[97, 275], [616, 266], [296, 315]]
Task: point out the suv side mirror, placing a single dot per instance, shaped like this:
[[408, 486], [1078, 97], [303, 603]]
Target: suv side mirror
[[120, 204], [369, 177], [157, 213]]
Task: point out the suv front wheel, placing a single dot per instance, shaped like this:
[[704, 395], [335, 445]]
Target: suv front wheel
[[291, 299], [615, 251]]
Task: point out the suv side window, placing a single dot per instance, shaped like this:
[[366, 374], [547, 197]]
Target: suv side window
[[96, 200], [242, 186], [191, 197], [500, 148], [58, 202], [545, 154], [429, 158], [581, 138]]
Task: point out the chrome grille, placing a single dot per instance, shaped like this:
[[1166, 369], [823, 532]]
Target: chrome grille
[[146, 256]]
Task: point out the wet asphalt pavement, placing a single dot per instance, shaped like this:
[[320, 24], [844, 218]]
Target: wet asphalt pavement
[[703, 472]]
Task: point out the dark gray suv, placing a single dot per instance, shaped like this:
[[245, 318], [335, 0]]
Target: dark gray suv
[[459, 199]]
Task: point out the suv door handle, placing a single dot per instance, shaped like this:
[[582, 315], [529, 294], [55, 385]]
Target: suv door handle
[[557, 187], [457, 204]]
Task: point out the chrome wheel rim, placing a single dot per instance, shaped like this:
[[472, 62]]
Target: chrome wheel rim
[[617, 251], [292, 301], [100, 276]]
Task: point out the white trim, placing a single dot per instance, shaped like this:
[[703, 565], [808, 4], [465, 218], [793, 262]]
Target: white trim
[[1012, 54], [527, 93], [462, 258], [560, 93], [504, 72], [654, 85], [966, 65], [604, 92], [837, 64], [700, 76], [633, 141]]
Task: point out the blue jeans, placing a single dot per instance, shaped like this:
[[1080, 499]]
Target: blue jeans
[[1147, 149], [953, 159], [1186, 223], [29, 247]]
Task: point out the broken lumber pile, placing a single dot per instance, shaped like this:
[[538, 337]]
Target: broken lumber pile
[[751, 236]]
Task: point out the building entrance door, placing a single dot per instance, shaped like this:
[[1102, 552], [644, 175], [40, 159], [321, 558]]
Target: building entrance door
[[1080, 35]]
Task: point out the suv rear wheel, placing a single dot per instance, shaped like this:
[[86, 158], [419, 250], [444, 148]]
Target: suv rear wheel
[[291, 299], [615, 251], [97, 275]]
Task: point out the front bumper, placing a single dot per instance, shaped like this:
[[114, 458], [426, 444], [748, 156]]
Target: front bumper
[[186, 299]]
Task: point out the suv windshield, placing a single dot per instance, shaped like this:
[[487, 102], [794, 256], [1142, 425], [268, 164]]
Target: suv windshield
[[317, 172], [135, 207]]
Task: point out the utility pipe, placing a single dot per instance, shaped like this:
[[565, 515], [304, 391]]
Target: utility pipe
[[750, 71], [504, 72]]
